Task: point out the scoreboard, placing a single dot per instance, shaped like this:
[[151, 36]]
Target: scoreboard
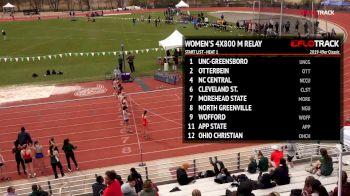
[[243, 89]]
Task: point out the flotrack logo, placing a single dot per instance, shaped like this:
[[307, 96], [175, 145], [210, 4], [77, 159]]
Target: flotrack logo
[[325, 12], [314, 43]]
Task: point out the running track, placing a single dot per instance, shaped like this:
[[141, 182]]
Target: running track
[[94, 125]]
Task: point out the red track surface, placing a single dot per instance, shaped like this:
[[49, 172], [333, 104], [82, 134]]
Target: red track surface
[[95, 124]]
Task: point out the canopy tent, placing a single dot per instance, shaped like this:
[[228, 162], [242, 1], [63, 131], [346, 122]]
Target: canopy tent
[[175, 40], [181, 4], [8, 7]]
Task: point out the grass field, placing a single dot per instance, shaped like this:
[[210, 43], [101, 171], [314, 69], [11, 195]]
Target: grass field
[[59, 36]]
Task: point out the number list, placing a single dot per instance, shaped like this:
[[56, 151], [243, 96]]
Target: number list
[[250, 89]]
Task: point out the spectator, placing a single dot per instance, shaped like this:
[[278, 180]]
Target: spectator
[[98, 187], [138, 179], [26, 154], [24, 137], [148, 189], [318, 189], [39, 156], [273, 194], [281, 174], [307, 190], [265, 182], [291, 149], [3, 34], [224, 176], [37, 191], [55, 161], [276, 156], [120, 62], [297, 26], [306, 28], [113, 186], [68, 150], [252, 165], [17, 151], [263, 164], [131, 58], [128, 188], [2, 166], [10, 191], [181, 175], [196, 192], [345, 188], [244, 189], [324, 166]]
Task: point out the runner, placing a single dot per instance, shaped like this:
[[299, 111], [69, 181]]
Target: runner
[[39, 156], [124, 102], [126, 119], [145, 125], [26, 154]]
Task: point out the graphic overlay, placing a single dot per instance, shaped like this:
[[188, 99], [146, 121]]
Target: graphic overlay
[[262, 89]]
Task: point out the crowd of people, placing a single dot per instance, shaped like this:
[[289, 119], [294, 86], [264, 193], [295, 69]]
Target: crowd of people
[[113, 185], [272, 172], [28, 153]]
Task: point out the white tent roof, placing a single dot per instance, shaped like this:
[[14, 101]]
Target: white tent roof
[[175, 40], [182, 4], [8, 5]]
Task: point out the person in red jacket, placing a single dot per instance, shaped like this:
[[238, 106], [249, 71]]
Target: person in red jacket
[[113, 186], [276, 156], [345, 188]]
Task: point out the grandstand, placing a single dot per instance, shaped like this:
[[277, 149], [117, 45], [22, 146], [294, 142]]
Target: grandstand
[[162, 173]]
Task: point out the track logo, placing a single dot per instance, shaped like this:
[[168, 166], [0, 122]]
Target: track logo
[[314, 43], [325, 12], [85, 92]]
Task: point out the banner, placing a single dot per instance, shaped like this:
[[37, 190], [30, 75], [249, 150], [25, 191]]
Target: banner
[[76, 54]]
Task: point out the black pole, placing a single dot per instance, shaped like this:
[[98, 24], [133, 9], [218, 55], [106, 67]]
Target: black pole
[[50, 189], [142, 164], [122, 45]]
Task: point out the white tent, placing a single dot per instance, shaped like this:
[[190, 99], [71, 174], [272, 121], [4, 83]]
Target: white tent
[[8, 8], [8, 5], [175, 40], [181, 4]]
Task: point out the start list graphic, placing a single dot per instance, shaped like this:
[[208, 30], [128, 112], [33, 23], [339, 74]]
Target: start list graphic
[[262, 89]]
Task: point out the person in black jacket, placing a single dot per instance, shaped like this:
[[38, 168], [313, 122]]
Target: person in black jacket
[[181, 175], [265, 182], [68, 150], [281, 174], [98, 187], [24, 137], [138, 179]]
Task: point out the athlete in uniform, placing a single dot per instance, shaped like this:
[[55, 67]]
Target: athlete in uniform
[[145, 125]]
